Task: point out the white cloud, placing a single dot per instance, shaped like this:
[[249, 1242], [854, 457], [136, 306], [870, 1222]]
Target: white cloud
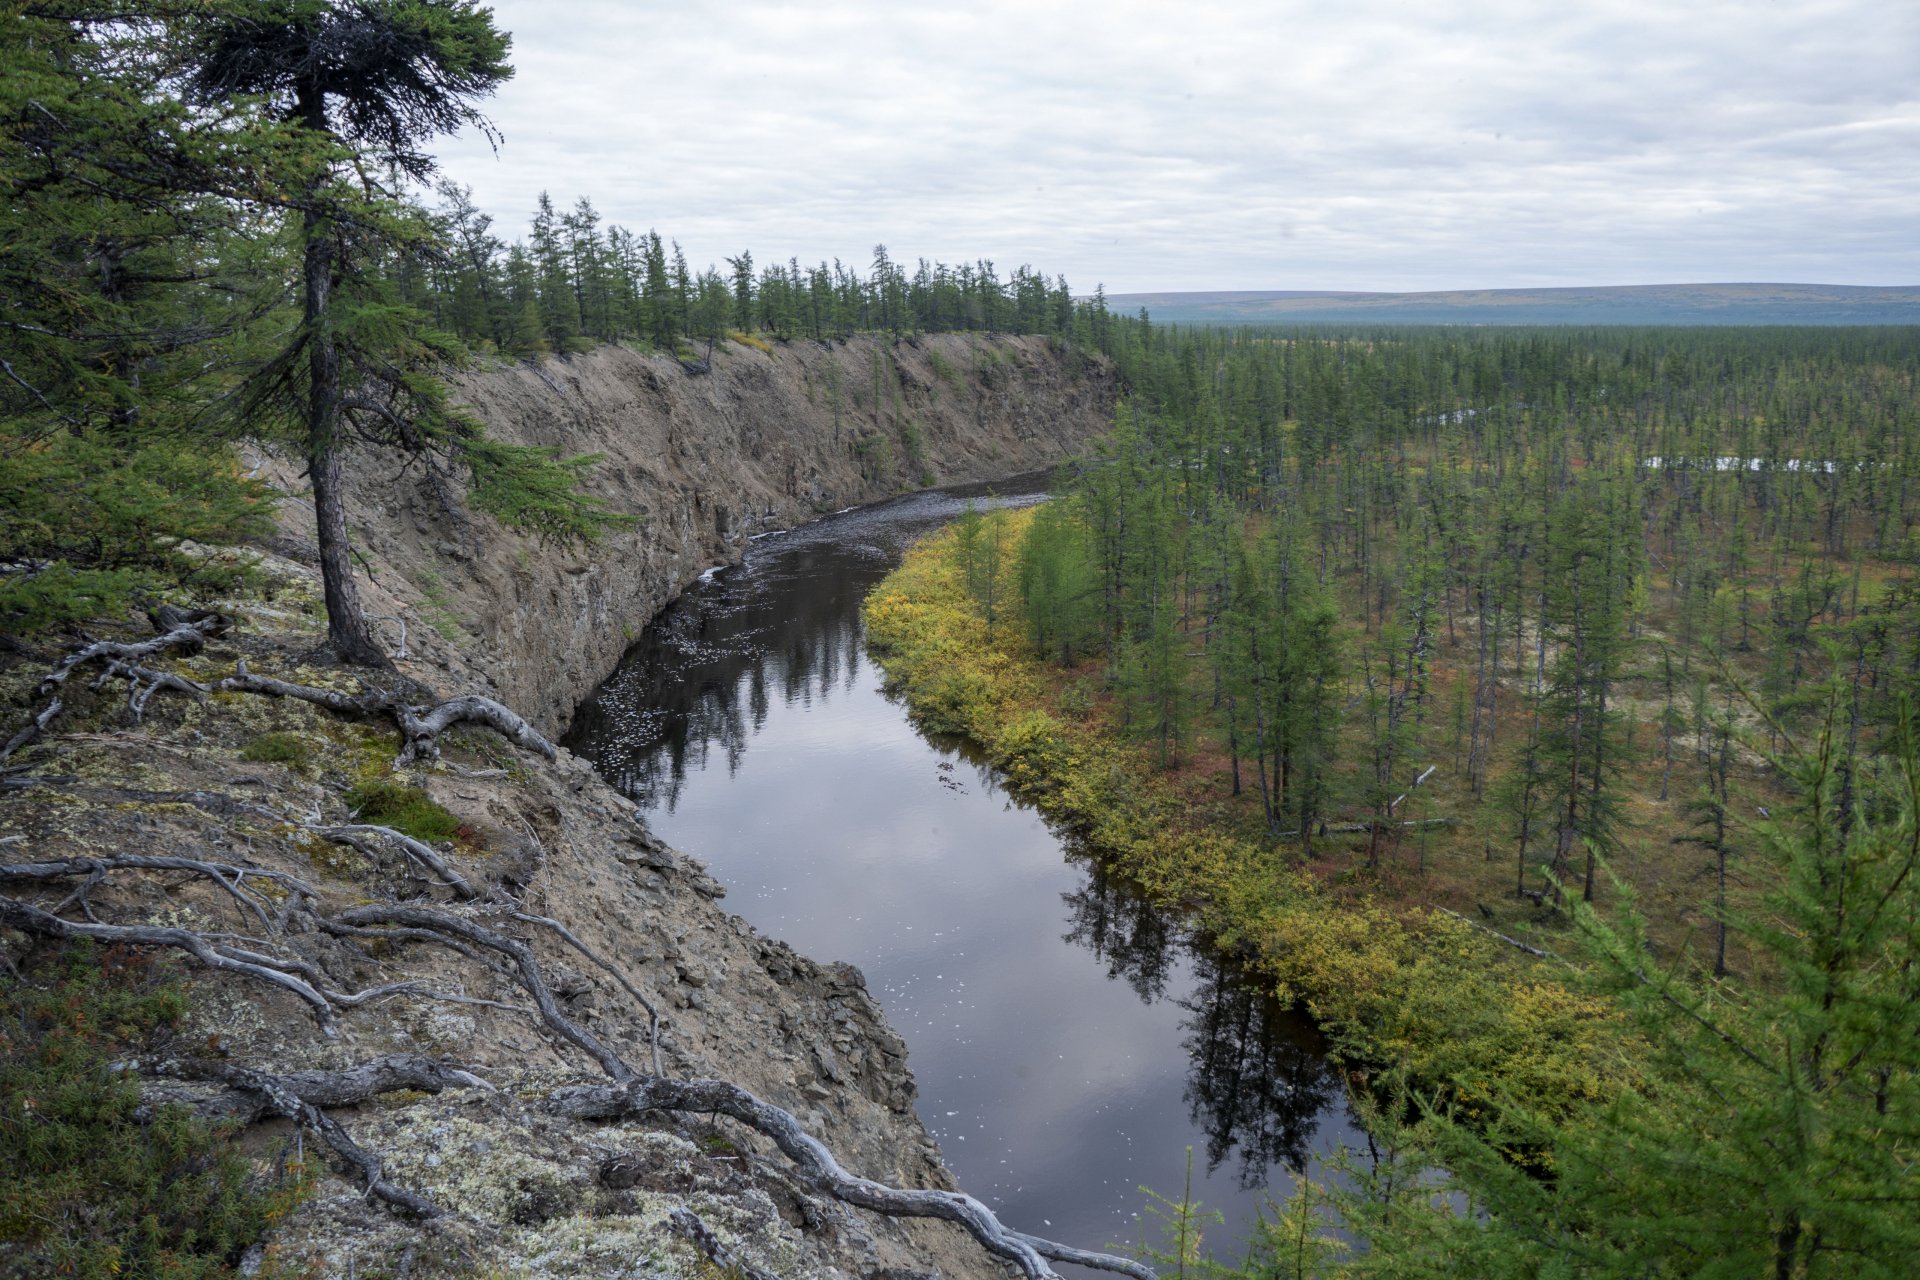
[[1234, 145]]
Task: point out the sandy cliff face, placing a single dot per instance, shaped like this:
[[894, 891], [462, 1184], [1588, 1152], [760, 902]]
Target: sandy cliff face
[[763, 441]]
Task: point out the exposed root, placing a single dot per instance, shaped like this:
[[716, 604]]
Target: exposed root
[[282, 1096], [228, 876], [639, 1096], [187, 636], [653, 1014], [302, 1096], [122, 660], [688, 1224], [418, 850], [30, 919], [420, 729], [347, 1088], [519, 952]]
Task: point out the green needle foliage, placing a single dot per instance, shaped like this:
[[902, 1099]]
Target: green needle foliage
[[96, 1185]]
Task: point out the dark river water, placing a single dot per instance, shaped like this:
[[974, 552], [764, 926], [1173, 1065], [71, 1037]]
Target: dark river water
[[1070, 1043]]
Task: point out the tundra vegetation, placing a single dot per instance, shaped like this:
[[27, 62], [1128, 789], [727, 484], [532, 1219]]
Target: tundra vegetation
[[1535, 707]]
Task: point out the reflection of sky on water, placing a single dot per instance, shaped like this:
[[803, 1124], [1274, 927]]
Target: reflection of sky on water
[[1068, 1045]]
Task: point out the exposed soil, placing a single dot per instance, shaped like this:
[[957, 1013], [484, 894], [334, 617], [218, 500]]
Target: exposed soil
[[710, 459]]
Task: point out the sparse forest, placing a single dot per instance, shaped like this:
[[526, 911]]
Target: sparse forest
[[1587, 657], [1535, 707]]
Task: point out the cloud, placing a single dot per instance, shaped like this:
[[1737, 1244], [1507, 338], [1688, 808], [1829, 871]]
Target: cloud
[[1233, 145]]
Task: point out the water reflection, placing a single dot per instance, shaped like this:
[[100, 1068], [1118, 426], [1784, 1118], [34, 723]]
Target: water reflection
[[701, 680], [1258, 1081], [1070, 1043]]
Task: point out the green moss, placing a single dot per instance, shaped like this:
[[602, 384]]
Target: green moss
[[277, 748], [388, 802]]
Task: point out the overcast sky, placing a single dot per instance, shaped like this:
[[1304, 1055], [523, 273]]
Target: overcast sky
[[1153, 146]]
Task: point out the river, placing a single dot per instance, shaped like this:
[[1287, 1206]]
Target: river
[[1069, 1042]]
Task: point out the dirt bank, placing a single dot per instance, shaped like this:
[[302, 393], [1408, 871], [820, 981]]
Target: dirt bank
[[763, 441], [254, 782]]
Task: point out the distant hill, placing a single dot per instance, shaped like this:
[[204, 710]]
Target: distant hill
[[1626, 304]]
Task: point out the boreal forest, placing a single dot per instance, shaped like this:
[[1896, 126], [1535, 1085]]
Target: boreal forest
[[1532, 709]]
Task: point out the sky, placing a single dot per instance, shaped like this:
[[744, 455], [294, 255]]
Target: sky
[[1341, 144]]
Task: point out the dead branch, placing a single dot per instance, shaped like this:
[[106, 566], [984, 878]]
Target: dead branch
[[519, 952], [280, 1095], [418, 850], [638, 1096], [1512, 942], [653, 1014], [1356, 828]]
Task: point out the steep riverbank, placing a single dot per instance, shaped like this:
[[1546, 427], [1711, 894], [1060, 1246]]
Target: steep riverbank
[[763, 441], [255, 782]]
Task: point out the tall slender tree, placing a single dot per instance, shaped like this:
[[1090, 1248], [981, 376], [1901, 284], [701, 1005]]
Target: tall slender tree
[[365, 82]]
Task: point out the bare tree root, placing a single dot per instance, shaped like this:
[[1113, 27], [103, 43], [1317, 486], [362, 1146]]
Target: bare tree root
[[653, 1014], [122, 661], [422, 728], [419, 729], [347, 1088], [523, 958], [303, 1096], [638, 1096], [228, 876], [283, 1096], [418, 850], [30, 919], [688, 1224]]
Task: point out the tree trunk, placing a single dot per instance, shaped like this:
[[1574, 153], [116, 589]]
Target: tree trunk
[[347, 633]]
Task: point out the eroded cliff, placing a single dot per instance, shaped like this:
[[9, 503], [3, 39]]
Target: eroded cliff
[[763, 441], [274, 786]]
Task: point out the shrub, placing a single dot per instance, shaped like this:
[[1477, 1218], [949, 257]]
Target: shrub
[[93, 1186]]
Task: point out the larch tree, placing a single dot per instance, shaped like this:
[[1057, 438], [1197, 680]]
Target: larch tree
[[363, 84]]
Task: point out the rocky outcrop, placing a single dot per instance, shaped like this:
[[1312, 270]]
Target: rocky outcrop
[[762, 440]]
